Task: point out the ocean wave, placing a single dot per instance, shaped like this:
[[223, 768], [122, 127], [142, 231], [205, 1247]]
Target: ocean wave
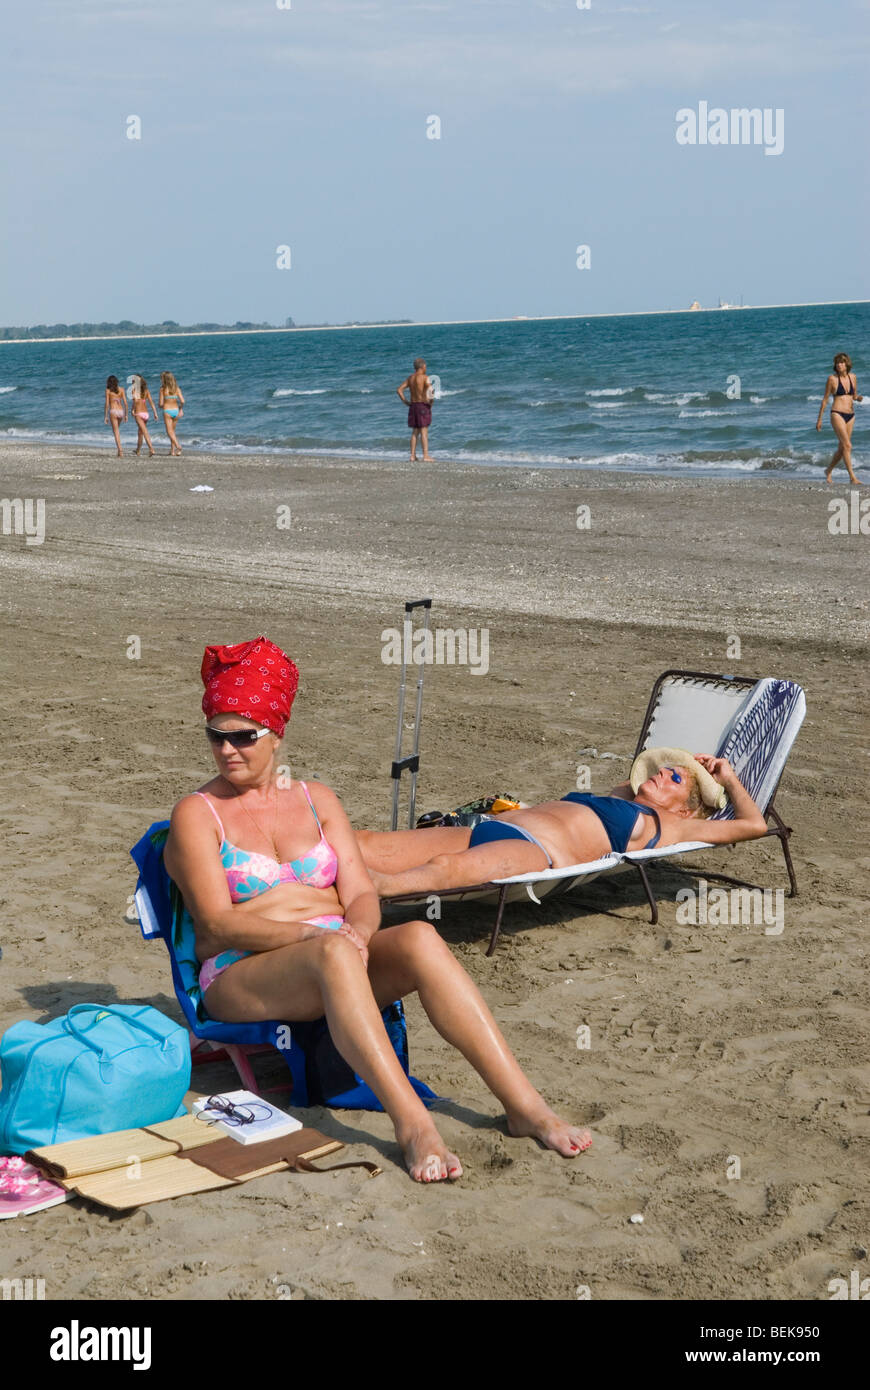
[[294, 391], [458, 391], [51, 436], [805, 462], [5, 389], [722, 462], [699, 414], [606, 405], [683, 398], [612, 391], [759, 400], [624, 460]]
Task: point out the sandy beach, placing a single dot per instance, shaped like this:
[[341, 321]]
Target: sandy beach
[[708, 1042]]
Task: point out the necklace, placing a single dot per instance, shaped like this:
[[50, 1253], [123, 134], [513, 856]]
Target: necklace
[[256, 824]]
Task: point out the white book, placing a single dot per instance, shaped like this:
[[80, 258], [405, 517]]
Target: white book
[[271, 1126]]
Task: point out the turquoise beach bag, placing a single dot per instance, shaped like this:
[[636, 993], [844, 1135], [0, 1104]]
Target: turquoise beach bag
[[97, 1069]]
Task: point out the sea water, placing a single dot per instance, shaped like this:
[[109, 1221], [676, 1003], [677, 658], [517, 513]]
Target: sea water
[[711, 393]]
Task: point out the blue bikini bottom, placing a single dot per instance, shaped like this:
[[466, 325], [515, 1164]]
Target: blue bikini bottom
[[491, 828]]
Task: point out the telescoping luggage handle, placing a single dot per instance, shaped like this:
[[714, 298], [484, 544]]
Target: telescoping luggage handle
[[162, 1038], [412, 762]]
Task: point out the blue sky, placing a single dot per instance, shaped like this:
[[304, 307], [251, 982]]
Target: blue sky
[[307, 127]]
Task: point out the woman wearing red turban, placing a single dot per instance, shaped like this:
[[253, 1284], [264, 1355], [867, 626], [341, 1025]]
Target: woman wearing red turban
[[287, 929]]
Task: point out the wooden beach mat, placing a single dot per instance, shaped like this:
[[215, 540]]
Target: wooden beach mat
[[102, 1152], [134, 1167]]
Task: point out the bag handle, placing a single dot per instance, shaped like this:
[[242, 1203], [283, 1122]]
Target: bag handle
[[107, 1009], [301, 1164]]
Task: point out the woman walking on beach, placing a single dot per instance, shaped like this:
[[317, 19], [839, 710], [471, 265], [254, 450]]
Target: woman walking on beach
[[290, 929], [115, 410], [842, 385], [142, 398], [171, 403]]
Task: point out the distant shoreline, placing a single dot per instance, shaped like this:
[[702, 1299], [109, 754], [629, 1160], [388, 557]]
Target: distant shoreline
[[427, 323]]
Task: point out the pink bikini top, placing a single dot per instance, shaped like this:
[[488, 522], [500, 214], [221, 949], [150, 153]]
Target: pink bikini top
[[249, 873]]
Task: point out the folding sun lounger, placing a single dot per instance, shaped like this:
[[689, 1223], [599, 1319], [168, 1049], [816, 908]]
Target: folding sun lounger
[[751, 722]]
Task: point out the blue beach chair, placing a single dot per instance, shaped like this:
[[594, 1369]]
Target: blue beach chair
[[319, 1075]]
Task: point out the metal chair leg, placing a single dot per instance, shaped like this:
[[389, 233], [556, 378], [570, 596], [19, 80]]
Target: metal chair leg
[[653, 905], [783, 832], [496, 928]]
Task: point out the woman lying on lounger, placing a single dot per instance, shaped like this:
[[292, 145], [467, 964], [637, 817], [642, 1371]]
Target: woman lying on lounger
[[666, 803], [287, 929]]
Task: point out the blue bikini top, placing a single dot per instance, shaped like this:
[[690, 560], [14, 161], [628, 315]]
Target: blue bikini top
[[617, 816]]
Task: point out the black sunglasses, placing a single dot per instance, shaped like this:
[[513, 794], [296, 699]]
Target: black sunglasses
[[237, 738], [231, 1114]]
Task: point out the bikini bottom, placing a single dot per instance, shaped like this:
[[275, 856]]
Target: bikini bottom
[[494, 828], [215, 965]]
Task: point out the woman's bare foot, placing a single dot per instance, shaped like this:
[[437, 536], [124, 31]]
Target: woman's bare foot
[[427, 1157], [553, 1133], [828, 478]]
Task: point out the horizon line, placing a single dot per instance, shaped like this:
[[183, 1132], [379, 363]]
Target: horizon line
[[428, 323]]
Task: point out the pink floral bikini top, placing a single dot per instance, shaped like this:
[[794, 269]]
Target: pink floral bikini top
[[249, 873]]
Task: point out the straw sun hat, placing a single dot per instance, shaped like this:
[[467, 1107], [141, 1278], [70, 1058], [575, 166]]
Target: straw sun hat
[[648, 763]]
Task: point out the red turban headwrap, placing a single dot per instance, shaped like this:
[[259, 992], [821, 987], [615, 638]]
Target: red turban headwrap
[[254, 679]]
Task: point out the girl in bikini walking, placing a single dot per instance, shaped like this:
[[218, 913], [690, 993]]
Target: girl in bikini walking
[[115, 410], [142, 398], [171, 401], [842, 386]]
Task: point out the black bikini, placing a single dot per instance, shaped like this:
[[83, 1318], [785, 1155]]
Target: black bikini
[[841, 391]]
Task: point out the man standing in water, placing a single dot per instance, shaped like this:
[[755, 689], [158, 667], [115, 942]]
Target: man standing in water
[[419, 407]]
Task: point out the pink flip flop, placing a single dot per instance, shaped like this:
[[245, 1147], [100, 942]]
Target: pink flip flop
[[23, 1189]]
